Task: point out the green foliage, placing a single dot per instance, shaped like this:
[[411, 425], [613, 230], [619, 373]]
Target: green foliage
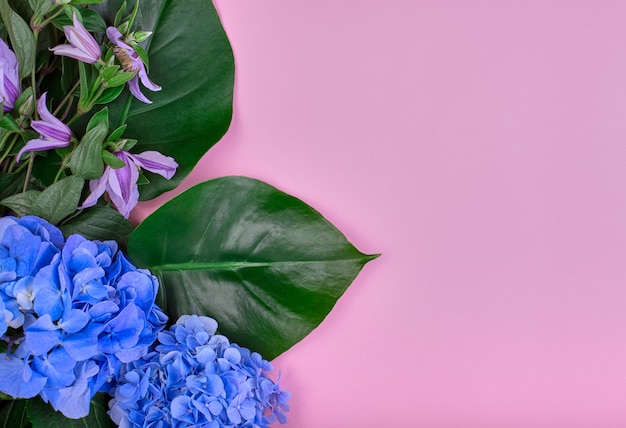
[[194, 109], [42, 415], [264, 264], [101, 223]]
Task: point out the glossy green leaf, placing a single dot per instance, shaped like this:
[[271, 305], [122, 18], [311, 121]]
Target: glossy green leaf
[[191, 59], [13, 414], [264, 264], [101, 223], [10, 183], [43, 416]]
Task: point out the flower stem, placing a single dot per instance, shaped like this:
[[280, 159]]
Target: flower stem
[[29, 170], [67, 97]]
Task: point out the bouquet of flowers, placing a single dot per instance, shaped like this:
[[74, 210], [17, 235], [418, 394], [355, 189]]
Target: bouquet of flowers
[[168, 323]]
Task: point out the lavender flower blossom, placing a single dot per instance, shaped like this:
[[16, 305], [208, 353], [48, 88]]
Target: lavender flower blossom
[[131, 62], [121, 184], [82, 46], [53, 132], [9, 77]]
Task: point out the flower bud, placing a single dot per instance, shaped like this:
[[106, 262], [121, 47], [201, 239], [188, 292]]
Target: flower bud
[[25, 103]]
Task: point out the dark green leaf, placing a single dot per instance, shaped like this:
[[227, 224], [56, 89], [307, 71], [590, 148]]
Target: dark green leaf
[[43, 416], [101, 118], [59, 200], [13, 414], [109, 95], [101, 223], [7, 122], [91, 20], [86, 159], [10, 184], [264, 264], [21, 203], [194, 65], [21, 36]]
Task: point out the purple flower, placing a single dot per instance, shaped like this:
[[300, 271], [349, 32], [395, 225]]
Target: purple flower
[[9, 77], [82, 46], [131, 62], [53, 133], [121, 184]]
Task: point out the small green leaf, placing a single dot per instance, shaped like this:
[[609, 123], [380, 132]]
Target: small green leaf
[[264, 264], [112, 160], [117, 133], [109, 95], [42, 415], [100, 118], [21, 203], [101, 223], [7, 122], [119, 79], [86, 159], [59, 200]]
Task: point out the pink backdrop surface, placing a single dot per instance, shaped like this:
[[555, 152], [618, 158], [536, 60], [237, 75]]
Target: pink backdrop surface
[[480, 146]]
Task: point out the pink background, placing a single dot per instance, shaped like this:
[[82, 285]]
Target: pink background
[[481, 147]]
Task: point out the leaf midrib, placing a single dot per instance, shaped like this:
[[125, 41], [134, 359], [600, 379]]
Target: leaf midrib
[[169, 267]]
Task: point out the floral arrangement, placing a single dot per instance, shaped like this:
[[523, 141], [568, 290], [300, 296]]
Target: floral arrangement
[[168, 323]]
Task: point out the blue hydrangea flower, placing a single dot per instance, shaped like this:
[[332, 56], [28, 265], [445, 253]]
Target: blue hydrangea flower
[[74, 312], [195, 377]]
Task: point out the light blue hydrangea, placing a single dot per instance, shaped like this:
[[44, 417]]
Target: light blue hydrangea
[[194, 377], [73, 313]]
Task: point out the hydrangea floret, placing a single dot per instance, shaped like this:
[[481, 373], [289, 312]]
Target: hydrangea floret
[[74, 310], [194, 377]]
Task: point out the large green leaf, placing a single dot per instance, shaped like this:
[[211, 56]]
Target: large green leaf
[[42, 415], [264, 264], [13, 414], [191, 59]]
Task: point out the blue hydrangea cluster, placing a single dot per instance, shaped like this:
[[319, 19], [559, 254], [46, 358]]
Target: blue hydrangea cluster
[[75, 311], [196, 378]]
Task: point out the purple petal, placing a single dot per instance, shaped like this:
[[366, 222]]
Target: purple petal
[[97, 188], [38, 144], [78, 36], [156, 162], [114, 35], [7, 55], [50, 126], [133, 85], [122, 186], [145, 81], [73, 52], [82, 46]]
